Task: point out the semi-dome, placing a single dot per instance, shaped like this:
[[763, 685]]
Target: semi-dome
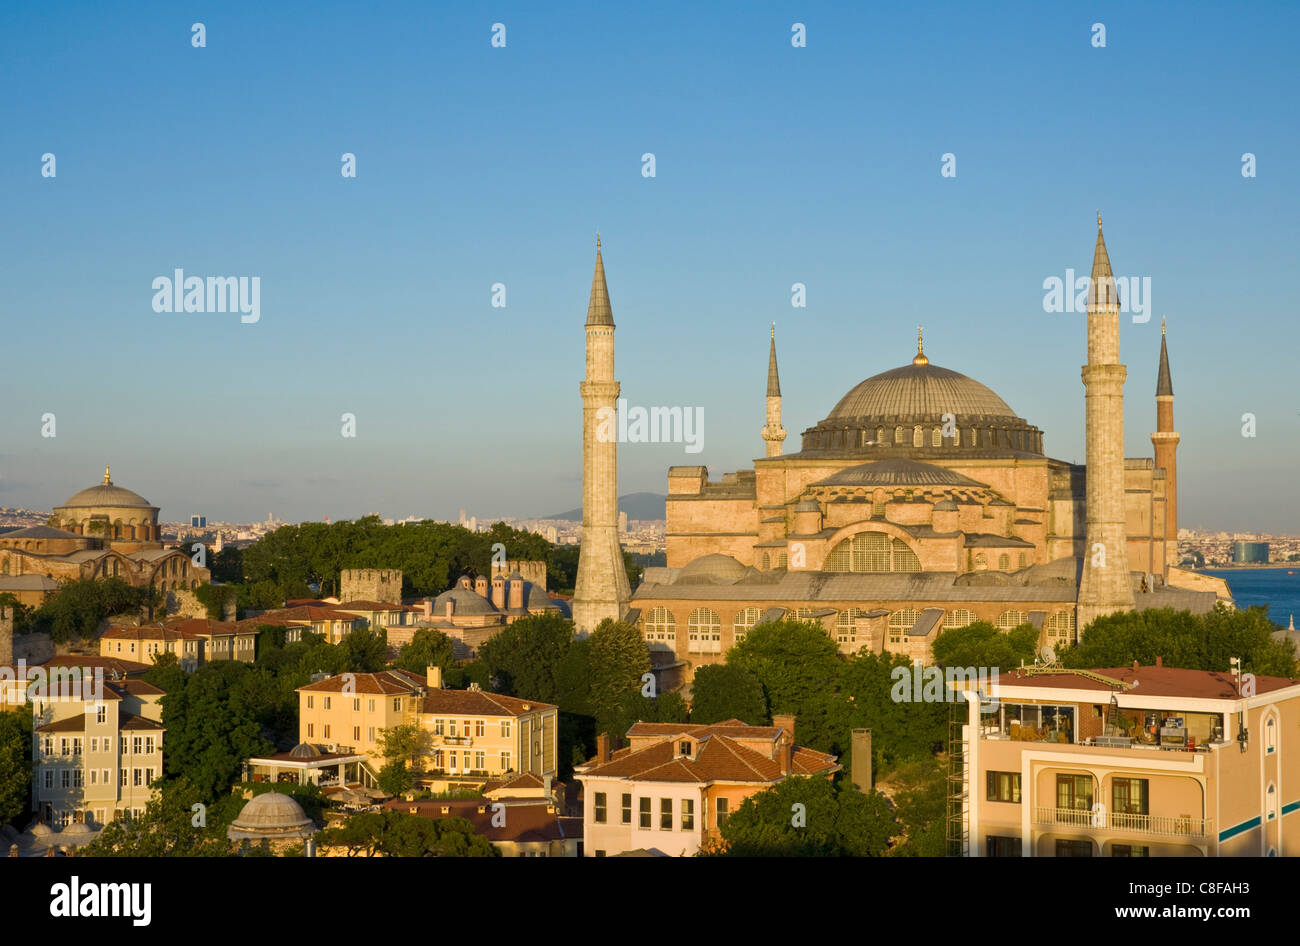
[[712, 569], [897, 472]]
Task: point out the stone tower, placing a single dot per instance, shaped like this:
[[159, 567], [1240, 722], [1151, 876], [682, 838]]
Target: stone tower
[[602, 589], [1106, 585], [773, 432], [1165, 441]]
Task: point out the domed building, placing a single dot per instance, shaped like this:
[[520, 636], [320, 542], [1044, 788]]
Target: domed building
[[105, 531], [924, 501], [272, 818]]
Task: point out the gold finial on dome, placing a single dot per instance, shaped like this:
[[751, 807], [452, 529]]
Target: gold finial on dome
[[1162, 325], [773, 331], [598, 240], [1098, 219], [107, 481], [920, 358]]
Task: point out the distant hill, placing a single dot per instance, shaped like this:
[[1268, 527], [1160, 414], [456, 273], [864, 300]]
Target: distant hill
[[636, 505]]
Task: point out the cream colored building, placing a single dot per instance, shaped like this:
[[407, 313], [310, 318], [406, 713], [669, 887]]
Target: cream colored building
[[474, 736], [1129, 762], [97, 745]]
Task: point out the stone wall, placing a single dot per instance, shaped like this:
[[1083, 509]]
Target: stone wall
[[371, 584], [532, 571], [187, 605]]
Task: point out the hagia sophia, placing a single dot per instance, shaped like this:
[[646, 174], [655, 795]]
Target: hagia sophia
[[105, 531], [922, 502]]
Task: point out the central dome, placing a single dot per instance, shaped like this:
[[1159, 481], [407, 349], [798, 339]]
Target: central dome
[[919, 390]]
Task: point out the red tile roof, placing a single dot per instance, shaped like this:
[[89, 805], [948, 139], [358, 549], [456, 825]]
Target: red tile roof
[[383, 682], [130, 721], [1150, 681], [478, 703], [524, 822], [306, 613], [719, 758]]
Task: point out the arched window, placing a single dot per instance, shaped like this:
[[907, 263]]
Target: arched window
[[767, 561], [956, 437], [1270, 804], [898, 434], [1004, 562], [115, 564], [745, 620], [958, 617], [900, 622], [981, 561], [660, 625], [1009, 619], [781, 561], [846, 629], [1060, 628], [936, 437], [872, 552], [880, 435], [918, 436], [1270, 735], [704, 632], [1024, 559], [972, 437]]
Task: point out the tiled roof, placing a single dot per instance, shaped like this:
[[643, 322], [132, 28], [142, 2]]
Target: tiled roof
[[720, 758], [129, 721], [807, 585], [111, 665], [383, 682], [524, 822], [202, 627], [306, 613], [147, 632], [74, 723], [1150, 681], [478, 703], [367, 606]]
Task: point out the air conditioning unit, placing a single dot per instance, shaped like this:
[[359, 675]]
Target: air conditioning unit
[[332, 747]]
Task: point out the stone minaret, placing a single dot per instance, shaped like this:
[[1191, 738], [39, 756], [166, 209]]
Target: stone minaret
[[602, 589], [1165, 441], [773, 432], [1106, 585]]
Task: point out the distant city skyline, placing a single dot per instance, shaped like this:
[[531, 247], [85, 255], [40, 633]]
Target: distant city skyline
[[479, 166]]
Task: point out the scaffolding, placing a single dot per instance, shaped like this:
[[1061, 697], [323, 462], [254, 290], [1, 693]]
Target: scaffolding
[[958, 780]]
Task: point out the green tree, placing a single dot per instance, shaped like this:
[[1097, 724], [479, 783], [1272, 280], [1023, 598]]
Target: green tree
[[166, 829], [211, 729], [795, 661], [635, 708], [15, 762], [727, 691], [921, 808], [618, 659], [391, 833], [365, 650], [809, 817], [395, 778], [982, 645], [1182, 639], [408, 743], [428, 648], [524, 658], [74, 611], [901, 730]]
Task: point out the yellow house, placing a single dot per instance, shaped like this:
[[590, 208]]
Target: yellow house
[[473, 735], [1138, 761]]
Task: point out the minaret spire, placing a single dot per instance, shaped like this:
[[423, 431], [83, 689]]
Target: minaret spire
[[1106, 585], [773, 433], [1165, 442], [602, 589]]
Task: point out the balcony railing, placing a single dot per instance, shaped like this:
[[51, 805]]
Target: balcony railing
[[1171, 826]]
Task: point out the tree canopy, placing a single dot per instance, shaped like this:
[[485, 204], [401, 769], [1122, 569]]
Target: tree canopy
[[809, 817], [982, 645]]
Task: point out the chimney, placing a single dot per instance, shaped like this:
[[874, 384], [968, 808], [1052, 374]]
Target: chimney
[[602, 747], [498, 592], [1135, 666], [546, 787], [786, 750], [433, 677], [516, 592], [481, 586], [860, 762], [784, 721], [1160, 661]]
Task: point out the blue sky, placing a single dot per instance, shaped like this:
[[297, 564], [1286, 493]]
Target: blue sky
[[478, 165]]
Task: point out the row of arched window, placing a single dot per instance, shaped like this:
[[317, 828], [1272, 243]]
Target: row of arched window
[[704, 625]]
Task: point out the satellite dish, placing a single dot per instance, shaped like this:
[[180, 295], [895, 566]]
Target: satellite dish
[[1048, 654]]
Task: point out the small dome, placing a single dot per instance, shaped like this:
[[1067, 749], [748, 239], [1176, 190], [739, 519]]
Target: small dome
[[40, 831], [466, 601], [712, 569], [304, 751], [76, 829], [271, 813], [945, 505], [807, 504]]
